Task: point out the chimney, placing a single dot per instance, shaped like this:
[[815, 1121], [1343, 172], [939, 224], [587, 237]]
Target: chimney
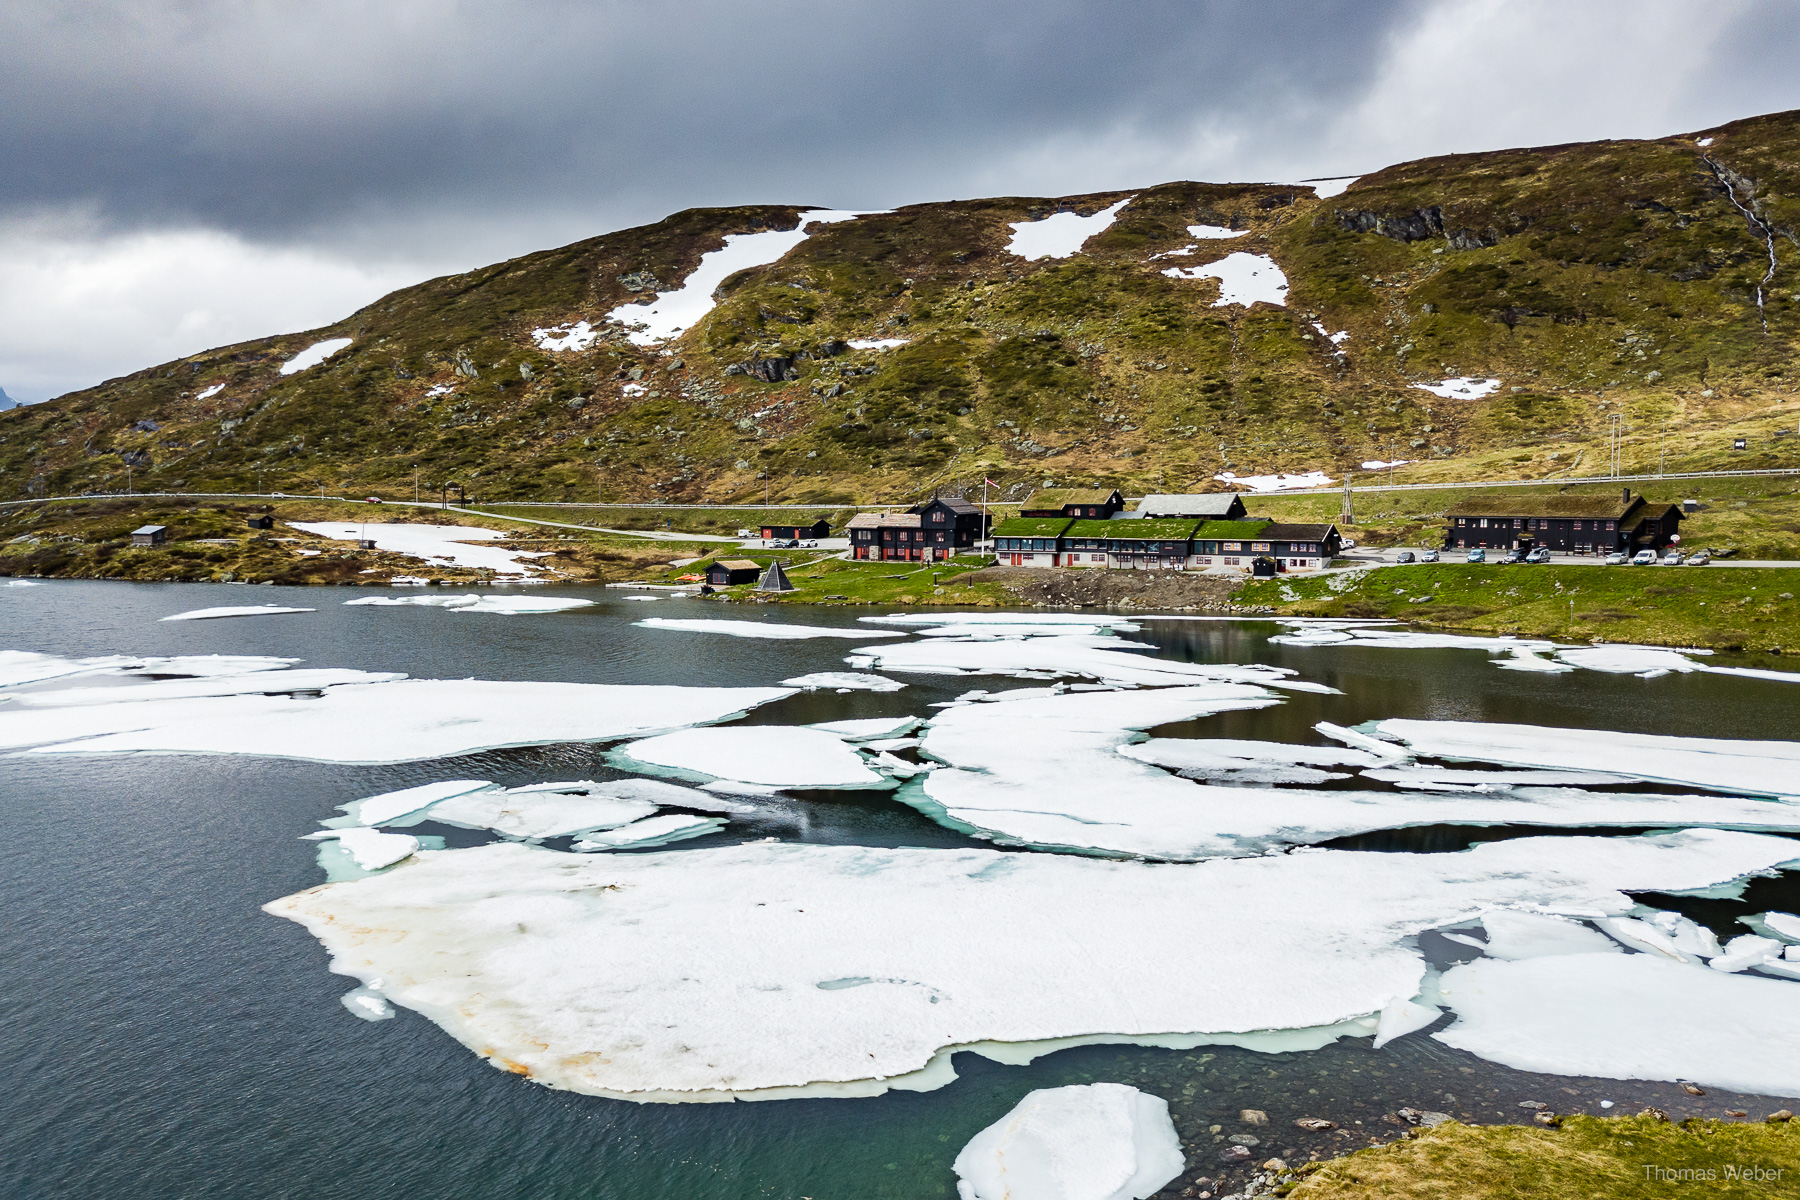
[[1628, 495]]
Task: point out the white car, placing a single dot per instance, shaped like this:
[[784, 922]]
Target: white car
[[1672, 559], [1644, 558], [1617, 559]]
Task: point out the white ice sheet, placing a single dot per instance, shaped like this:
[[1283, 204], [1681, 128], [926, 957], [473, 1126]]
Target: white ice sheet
[[580, 971], [504, 603], [1056, 772], [775, 630], [376, 722], [773, 755], [1716, 764], [243, 610], [849, 681], [1096, 1141], [1628, 1016]]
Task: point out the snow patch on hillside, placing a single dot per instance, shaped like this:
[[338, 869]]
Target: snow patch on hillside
[[672, 314], [1244, 279], [578, 335], [313, 355], [1276, 483], [1461, 388], [1061, 234]]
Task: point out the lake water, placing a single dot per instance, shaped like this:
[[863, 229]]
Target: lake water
[[165, 1038]]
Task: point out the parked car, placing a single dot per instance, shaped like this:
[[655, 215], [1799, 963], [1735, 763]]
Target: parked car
[[1515, 556], [1540, 554], [1405, 556], [1477, 555], [1644, 558], [1699, 559], [1672, 559], [373, 500], [1617, 558], [1429, 556]]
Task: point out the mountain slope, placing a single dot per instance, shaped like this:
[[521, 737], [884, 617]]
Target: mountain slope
[[1594, 282]]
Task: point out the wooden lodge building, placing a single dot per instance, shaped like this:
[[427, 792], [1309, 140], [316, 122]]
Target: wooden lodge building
[[1167, 544], [1092, 503], [930, 532], [1569, 524], [818, 529]]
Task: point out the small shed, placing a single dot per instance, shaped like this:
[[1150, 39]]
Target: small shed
[[150, 535], [775, 580], [818, 529], [263, 522], [729, 572]]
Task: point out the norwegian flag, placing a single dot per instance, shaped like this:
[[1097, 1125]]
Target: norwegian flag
[[989, 482]]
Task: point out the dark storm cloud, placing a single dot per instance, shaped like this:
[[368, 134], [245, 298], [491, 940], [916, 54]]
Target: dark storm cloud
[[278, 120]]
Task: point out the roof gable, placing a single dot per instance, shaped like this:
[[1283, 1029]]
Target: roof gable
[[1194, 504]]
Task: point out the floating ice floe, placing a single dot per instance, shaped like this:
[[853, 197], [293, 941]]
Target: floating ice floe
[[1247, 761], [1461, 388], [1057, 772], [862, 729], [1627, 1016], [494, 602], [1060, 235], [758, 629], [367, 1004], [371, 722], [1714, 764], [22, 583], [1001, 621], [313, 355], [578, 971], [1277, 483], [651, 831], [252, 683], [570, 336], [541, 814], [1244, 279], [1095, 1141], [448, 545], [844, 681], [242, 610], [371, 849], [1419, 776], [772, 755], [392, 808], [1652, 661], [640, 596], [19, 668], [671, 314], [1107, 659], [878, 343]]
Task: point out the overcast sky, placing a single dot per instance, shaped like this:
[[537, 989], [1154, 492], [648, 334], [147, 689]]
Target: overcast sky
[[180, 174]]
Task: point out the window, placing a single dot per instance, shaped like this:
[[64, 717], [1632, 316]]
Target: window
[[1256, 546], [1096, 558], [938, 517], [1612, 524], [1484, 522], [1230, 546], [1578, 527]]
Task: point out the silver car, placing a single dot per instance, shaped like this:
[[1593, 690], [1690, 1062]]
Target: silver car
[[1672, 559]]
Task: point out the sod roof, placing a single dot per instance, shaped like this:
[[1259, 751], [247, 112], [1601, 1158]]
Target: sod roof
[[1032, 527]]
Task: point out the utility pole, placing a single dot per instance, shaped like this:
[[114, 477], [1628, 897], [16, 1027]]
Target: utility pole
[[415, 485], [128, 479], [1616, 442], [1662, 447], [1348, 515]]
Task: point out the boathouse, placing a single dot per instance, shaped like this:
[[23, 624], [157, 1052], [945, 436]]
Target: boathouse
[[729, 572]]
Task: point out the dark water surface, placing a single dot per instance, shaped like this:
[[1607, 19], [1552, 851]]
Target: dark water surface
[[164, 1038]]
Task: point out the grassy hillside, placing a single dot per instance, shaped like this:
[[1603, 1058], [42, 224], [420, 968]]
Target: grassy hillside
[[1595, 281], [1749, 608]]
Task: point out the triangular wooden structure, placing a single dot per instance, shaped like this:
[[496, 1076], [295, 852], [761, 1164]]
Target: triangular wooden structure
[[775, 579]]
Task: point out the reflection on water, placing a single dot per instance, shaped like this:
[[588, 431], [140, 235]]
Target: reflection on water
[[165, 1038]]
